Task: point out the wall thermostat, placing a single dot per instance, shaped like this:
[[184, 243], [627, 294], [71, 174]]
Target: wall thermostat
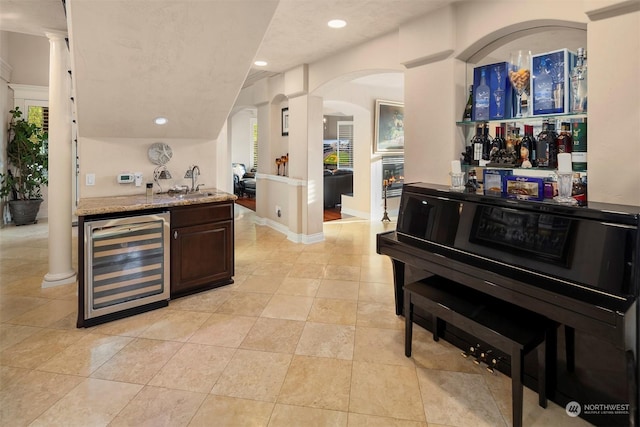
[[125, 178]]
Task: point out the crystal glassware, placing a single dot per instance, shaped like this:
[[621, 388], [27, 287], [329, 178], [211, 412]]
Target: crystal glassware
[[457, 181], [565, 186], [498, 93], [519, 74]]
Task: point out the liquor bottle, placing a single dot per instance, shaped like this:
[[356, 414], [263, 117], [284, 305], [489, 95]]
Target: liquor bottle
[[579, 189], [482, 98], [579, 83], [498, 145], [477, 143], [534, 148], [509, 145], [546, 149], [486, 143], [564, 141], [579, 152], [466, 116], [513, 143], [526, 147]]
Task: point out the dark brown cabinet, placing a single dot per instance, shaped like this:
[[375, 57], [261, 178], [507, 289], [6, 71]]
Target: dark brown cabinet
[[202, 250]]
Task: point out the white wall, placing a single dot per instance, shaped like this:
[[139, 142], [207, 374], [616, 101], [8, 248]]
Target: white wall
[[107, 157], [29, 57], [241, 136], [614, 109]]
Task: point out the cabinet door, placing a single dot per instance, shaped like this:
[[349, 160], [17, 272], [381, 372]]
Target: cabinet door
[[201, 257]]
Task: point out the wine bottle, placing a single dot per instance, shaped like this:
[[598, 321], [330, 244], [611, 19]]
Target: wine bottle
[[486, 143], [498, 145], [526, 147], [466, 116], [553, 147], [546, 149], [482, 98], [579, 83], [477, 143], [564, 141], [499, 142]]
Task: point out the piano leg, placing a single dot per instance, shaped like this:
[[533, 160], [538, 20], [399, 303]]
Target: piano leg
[[570, 346], [398, 283], [408, 323], [517, 362], [438, 324], [547, 365]]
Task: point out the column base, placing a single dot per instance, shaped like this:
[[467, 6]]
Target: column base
[[58, 279]]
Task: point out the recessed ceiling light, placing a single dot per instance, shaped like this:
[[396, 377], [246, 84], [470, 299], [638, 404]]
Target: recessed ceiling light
[[337, 23], [260, 63], [160, 120]]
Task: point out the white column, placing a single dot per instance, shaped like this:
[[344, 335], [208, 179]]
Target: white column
[[305, 156], [60, 179]]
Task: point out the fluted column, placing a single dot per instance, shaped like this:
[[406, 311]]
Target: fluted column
[[60, 165]]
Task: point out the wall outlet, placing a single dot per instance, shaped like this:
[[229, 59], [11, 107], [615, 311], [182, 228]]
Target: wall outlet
[[138, 179], [90, 179], [278, 211]]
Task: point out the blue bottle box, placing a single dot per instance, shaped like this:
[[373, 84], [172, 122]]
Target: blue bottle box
[[550, 82], [500, 91]]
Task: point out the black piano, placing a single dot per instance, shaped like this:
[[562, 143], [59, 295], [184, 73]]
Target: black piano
[[577, 266]]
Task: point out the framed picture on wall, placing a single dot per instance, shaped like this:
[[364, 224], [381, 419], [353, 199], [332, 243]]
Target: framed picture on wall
[[285, 121], [389, 127]]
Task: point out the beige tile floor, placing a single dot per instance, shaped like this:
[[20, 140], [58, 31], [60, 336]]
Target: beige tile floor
[[306, 336]]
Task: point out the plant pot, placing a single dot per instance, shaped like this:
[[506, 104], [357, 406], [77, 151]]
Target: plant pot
[[24, 211]]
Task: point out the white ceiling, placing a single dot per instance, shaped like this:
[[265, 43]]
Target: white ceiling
[[187, 59], [183, 60]]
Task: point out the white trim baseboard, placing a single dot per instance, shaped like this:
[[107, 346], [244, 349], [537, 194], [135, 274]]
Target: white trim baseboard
[[294, 237]]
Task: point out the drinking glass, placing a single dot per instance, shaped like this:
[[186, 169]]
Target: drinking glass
[[519, 74]]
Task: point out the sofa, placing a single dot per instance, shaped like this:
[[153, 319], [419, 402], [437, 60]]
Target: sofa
[[336, 183], [244, 183]]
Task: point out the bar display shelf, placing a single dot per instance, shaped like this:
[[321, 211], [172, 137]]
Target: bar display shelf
[[535, 120]]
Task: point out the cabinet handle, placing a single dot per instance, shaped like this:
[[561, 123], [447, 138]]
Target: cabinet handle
[[175, 234]]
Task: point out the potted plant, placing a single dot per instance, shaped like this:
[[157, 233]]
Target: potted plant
[[27, 163]]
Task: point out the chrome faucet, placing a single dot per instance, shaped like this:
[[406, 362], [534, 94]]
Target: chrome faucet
[[195, 172]]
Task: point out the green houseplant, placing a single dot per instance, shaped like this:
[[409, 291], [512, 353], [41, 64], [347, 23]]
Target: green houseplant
[[27, 163]]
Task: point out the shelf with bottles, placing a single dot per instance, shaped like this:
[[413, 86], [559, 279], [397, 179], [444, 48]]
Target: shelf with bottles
[[533, 150], [537, 119]]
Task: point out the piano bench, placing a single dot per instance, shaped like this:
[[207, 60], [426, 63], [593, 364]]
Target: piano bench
[[504, 326]]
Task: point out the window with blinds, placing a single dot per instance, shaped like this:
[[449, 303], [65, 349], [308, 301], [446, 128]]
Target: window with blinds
[[254, 145], [344, 147], [39, 116]]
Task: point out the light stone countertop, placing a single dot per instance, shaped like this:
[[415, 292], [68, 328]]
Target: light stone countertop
[[114, 204]]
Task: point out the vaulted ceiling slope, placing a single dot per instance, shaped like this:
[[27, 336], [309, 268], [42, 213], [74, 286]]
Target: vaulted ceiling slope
[[180, 59]]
